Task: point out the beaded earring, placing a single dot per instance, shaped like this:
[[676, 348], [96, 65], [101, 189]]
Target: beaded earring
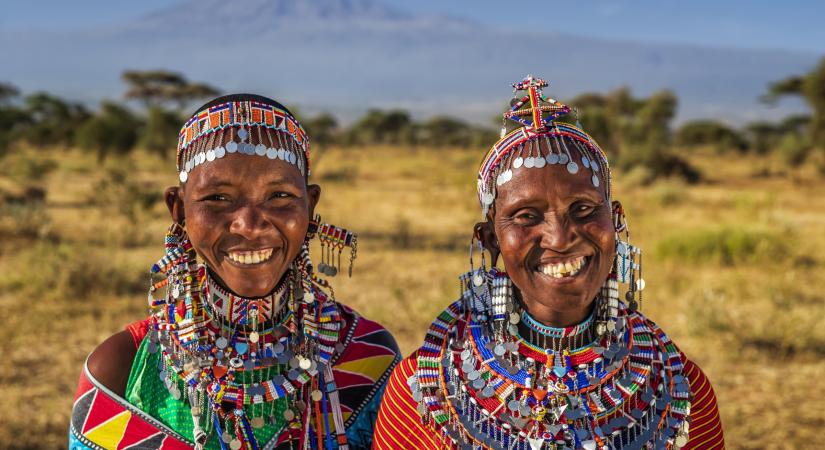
[[179, 264], [333, 240]]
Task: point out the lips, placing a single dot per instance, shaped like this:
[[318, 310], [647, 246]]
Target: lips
[[250, 257], [564, 268]]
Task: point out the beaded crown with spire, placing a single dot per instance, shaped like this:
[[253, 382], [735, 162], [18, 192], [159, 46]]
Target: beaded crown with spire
[[539, 140]]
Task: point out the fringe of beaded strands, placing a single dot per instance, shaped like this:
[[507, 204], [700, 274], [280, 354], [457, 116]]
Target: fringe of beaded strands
[[208, 358]]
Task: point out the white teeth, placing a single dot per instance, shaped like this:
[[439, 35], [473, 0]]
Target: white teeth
[[251, 257], [564, 269]]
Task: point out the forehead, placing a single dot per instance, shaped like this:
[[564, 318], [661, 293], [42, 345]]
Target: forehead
[[552, 183], [240, 170]]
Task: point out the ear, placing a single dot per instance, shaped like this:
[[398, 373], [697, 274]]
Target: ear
[[486, 234], [173, 196], [619, 222], [313, 195]]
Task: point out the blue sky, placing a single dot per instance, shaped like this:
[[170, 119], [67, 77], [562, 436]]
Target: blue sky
[[790, 25]]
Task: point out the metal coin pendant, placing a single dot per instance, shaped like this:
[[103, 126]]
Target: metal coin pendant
[[572, 167], [316, 395], [518, 162], [235, 444], [563, 158], [304, 363], [515, 318], [258, 422], [595, 180], [529, 162], [232, 147], [221, 342], [243, 134], [289, 415], [478, 279], [553, 159], [254, 336], [226, 437], [540, 162]]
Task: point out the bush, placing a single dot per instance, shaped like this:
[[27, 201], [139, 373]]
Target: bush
[[25, 215], [710, 132], [113, 130], [726, 246], [160, 135], [52, 121], [794, 149]]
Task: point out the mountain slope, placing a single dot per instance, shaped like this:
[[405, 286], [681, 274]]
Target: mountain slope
[[348, 55]]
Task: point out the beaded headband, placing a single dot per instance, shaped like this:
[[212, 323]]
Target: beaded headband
[[523, 146], [201, 138]]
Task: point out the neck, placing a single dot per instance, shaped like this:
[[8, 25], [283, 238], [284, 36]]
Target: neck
[[228, 307], [554, 318]]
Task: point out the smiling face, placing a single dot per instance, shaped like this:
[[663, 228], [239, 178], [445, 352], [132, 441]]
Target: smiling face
[[247, 217], [555, 234]]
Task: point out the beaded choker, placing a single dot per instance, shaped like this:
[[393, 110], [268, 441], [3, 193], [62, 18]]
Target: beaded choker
[[545, 336], [227, 307]]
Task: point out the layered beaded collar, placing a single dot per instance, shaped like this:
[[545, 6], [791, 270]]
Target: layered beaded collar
[[624, 389], [221, 353]]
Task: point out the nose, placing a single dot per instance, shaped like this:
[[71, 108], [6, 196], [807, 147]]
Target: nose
[[557, 233], [248, 222]]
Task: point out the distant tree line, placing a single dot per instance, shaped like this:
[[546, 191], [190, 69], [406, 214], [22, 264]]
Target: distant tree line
[[636, 132]]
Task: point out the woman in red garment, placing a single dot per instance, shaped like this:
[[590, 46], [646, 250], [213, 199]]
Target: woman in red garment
[[546, 355]]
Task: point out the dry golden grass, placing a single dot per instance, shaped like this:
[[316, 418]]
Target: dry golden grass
[[734, 270]]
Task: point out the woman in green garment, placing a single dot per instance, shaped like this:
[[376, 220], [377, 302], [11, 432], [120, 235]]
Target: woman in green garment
[[245, 346]]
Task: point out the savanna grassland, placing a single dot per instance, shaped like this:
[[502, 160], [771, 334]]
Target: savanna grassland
[[734, 268]]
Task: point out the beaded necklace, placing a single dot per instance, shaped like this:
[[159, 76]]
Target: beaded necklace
[[619, 389], [232, 358]]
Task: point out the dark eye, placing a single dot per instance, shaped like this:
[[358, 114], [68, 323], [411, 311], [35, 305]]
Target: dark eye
[[215, 198], [526, 217], [583, 209], [280, 194]]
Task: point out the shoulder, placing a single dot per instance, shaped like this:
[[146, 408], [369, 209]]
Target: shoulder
[[399, 424], [705, 423], [111, 362]]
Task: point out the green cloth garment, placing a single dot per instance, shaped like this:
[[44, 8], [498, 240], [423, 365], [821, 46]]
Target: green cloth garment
[[147, 392]]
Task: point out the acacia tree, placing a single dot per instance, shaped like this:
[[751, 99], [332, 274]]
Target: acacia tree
[[157, 90], [811, 88]]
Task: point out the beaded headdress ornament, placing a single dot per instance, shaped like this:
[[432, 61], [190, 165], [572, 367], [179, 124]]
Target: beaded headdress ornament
[[204, 137], [539, 141]]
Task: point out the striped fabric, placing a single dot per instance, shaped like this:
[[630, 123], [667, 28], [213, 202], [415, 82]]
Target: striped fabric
[[399, 426]]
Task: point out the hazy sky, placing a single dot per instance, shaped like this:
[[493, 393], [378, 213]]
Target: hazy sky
[[789, 25]]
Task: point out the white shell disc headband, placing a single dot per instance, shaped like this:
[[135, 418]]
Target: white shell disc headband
[[279, 135]]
